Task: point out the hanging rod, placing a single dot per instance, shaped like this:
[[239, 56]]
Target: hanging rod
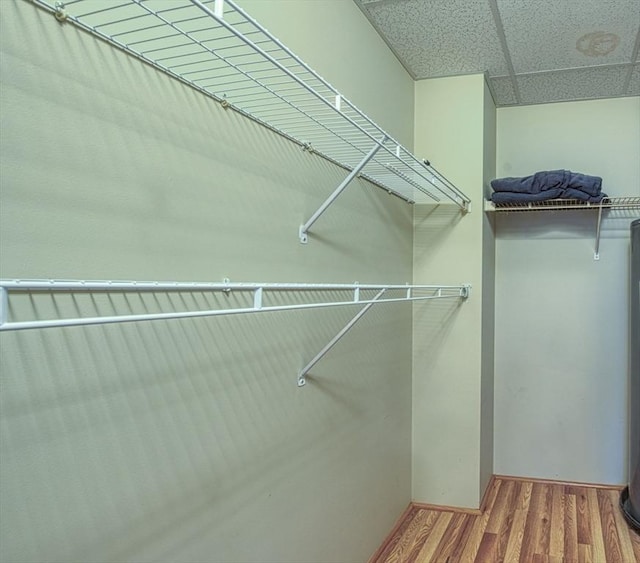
[[218, 49], [260, 292]]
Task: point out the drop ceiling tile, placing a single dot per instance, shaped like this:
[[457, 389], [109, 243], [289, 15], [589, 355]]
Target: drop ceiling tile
[[578, 84], [503, 92], [634, 84], [555, 34], [441, 37]]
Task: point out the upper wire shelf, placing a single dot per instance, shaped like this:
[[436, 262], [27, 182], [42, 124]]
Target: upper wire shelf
[[218, 49]]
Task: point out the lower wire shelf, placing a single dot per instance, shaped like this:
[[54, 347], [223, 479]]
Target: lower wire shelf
[[248, 298], [259, 291]]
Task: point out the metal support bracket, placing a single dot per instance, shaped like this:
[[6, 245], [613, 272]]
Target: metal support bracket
[[4, 305], [304, 228], [596, 254], [302, 381]]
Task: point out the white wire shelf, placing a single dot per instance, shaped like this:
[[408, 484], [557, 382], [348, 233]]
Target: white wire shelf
[[614, 203], [627, 206], [236, 298], [260, 302], [218, 49]]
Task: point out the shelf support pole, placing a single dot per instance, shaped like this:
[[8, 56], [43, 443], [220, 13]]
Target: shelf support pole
[[305, 370], [306, 226]]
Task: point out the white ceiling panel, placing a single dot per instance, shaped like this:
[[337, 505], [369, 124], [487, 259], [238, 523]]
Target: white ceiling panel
[[552, 49], [579, 84], [553, 34], [440, 37]]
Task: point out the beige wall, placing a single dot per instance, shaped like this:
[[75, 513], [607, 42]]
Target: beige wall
[[448, 246], [189, 440], [562, 317]]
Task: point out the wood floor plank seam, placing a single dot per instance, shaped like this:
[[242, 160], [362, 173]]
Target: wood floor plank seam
[[527, 521]]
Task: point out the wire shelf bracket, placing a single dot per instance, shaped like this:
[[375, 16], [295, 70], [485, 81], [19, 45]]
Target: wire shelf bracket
[[305, 370], [259, 302], [620, 204], [216, 48], [461, 292], [306, 226]]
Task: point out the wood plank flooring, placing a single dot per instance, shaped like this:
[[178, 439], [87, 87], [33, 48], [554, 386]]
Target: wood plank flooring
[[523, 522]]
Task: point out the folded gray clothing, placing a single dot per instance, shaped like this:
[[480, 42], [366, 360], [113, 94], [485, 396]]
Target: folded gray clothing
[[590, 184], [534, 184], [555, 193], [572, 193], [549, 180], [517, 197]]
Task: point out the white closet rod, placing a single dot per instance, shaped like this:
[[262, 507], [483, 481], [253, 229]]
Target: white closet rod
[[259, 290]]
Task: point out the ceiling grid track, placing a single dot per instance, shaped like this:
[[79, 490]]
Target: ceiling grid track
[[634, 57], [505, 49]]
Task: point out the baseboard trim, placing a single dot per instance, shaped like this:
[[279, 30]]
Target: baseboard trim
[[461, 509], [439, 507], [561, 482], [485, 496], [446, 508], [491, 486], [399, 522]]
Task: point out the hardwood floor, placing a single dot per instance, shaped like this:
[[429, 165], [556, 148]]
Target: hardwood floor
[[523, 522]]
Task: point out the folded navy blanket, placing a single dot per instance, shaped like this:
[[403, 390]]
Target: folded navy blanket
[[517, 197], [571, 193], [549, 180], [589, 184], [538, 182]]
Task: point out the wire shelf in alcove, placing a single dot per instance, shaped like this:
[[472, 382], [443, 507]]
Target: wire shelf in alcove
[[617, 207]]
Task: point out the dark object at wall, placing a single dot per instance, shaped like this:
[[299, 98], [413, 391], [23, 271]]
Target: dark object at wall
[[630, 497]]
